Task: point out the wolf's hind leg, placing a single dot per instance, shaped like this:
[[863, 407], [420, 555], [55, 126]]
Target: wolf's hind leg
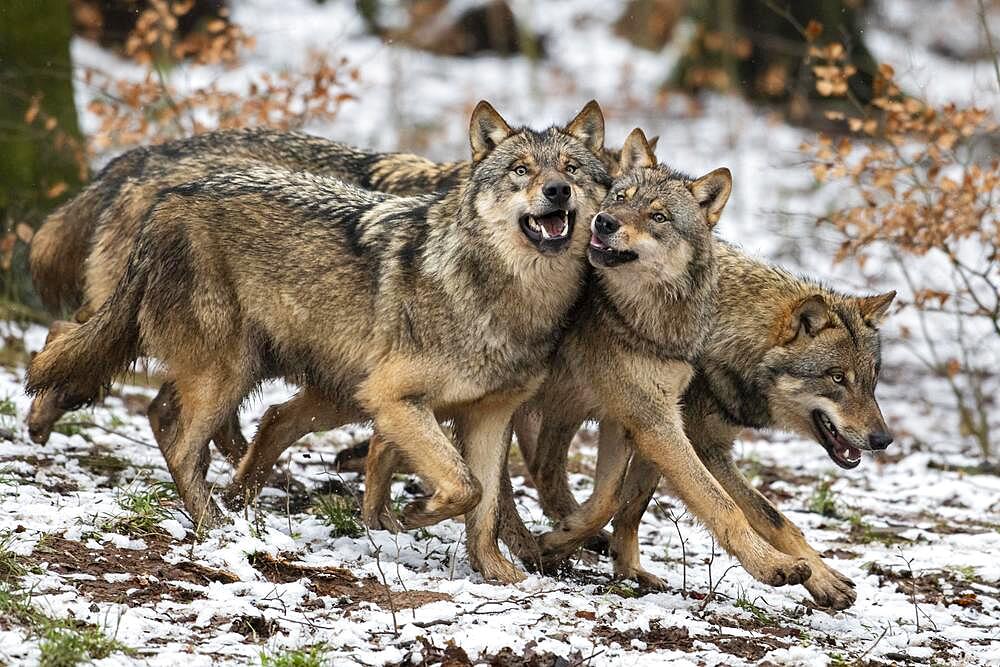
[[639, 488], [828, 587], [549, 444], [570, 533], [163, 410], [205, 400], [280, 427]]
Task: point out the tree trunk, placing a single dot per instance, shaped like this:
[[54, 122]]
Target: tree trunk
[[41, 161]]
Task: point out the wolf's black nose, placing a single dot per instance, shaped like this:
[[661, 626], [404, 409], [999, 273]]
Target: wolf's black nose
[[557, 192], [605, 224], [879, 441]]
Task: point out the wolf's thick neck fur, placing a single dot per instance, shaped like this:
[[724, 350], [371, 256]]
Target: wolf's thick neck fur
[[667, 320]]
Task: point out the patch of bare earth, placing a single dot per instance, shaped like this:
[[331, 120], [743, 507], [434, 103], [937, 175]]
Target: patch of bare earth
[[340, 583], [151, 577]]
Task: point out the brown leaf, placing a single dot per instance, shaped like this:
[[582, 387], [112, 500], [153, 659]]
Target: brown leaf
[[813, 30], [24, 232], [56, 190]]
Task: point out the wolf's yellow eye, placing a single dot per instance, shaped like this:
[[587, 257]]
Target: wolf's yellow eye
[[520, 170], [837, 377], [659, 217], [571, 168], [620, 196]]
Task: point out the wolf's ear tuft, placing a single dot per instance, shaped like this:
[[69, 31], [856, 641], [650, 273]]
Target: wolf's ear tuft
[[486, 129], [874, 308], [588, 127], [636, 152], [711, 191], [810, 316]]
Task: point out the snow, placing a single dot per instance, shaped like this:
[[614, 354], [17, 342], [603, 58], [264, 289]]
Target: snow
[[945, 523]]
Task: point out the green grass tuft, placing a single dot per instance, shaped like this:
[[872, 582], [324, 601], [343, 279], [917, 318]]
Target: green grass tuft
[[10, 565], [340, 513], [144, 509], [824, 500], [311, 656], [64, 642]]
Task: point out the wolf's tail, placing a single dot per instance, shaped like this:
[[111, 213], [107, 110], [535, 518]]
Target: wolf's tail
[[60, 246], [81, 362]]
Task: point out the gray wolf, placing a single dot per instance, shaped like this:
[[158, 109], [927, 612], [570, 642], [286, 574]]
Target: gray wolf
[[785, 353], [396, 309]]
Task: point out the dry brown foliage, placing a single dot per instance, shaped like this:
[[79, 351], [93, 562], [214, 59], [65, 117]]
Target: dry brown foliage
[[928, 181], [156, 36]]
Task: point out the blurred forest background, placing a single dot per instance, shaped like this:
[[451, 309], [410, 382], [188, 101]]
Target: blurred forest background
[[900, 185]]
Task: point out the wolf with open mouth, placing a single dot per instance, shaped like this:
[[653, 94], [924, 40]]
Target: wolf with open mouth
[[783, 353]]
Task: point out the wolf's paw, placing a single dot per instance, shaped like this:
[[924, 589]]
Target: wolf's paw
[[499, 569], [829, 588], [784, 571], [555, 547], [383, 520], [441, 506], [642, 577]]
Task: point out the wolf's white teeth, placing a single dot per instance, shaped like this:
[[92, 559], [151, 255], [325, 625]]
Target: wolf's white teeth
[[545, 232], [533, 224]]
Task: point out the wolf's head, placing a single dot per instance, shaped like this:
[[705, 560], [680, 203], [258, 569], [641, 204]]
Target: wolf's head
[[825, 368], [531, 187], [655, 220]]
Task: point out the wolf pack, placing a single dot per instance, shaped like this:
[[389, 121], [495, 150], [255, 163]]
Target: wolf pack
[[547, 282]]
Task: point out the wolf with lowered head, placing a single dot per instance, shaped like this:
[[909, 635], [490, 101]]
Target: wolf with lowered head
[[394, 309]]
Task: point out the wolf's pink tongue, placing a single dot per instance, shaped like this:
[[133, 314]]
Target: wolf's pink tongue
[[553, 224], [596, 242]]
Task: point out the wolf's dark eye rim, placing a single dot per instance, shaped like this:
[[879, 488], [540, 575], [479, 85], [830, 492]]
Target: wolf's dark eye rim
[[619, 196], [572, 168], [520, 170], [659, 217], [837, 375]]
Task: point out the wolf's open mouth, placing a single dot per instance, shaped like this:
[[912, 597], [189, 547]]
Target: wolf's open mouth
[[551, 231], [843, 453], [600, 254]]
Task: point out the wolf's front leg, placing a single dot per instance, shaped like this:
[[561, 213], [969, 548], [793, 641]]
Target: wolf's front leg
[[828, 587], [393, 395], [667, 447], [484, 433]]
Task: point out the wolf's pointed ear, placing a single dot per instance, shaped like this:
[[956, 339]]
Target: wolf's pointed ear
[[874, 308], [588, 127], [636, 153], [711, 191], [486, 129], [810, 316], [652, 144]]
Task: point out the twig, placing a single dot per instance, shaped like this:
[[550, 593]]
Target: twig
[[675, 520], [385, 581], [713, 589], [989, 41], [870, 648], [108, 430]]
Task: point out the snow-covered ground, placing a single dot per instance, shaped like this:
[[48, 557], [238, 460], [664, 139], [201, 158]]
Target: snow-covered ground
[[248, 588], [916, 529]]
